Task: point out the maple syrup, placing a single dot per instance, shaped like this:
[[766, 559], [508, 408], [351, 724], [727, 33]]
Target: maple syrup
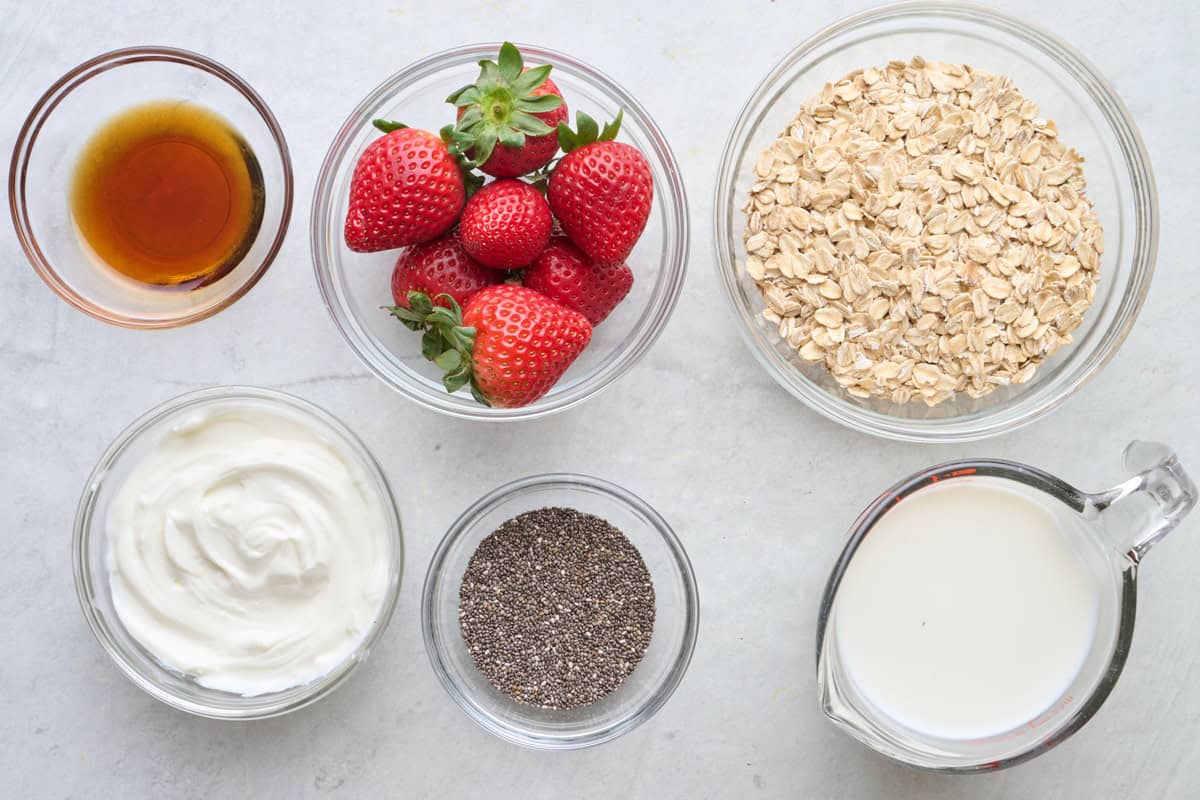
[[168, 194]]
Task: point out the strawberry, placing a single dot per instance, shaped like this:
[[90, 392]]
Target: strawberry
[[440, 267], [507, 118], [505, 224], [564, 274], [511, 344], [406, 189], [601, 191]]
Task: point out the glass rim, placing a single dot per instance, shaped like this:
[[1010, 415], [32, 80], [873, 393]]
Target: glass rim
[[45, 107], [435, 648], [1018, 412], [1030, 476], [83, 531], [646, 330]]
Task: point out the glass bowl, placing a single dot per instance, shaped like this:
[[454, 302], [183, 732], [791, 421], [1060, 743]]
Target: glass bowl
[[89, 552], [643, 692], [1091, 118], [356, 285], [48, 147]]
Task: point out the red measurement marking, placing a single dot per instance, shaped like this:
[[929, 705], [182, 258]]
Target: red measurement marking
[[1032, 725], [1052, 713]]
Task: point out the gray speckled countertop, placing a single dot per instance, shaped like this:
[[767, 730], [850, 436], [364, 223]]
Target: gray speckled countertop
[[745, 722]]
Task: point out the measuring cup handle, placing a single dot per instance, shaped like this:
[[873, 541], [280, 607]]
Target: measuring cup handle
[[1145, 508]]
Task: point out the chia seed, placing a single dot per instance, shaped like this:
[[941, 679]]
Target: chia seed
[[556, 608]]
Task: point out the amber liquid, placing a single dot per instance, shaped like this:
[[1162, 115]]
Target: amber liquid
[[168, 194]]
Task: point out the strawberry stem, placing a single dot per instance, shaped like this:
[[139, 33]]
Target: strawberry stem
[[472, 180], [445, 340], [587, 131], [499, 108], [387, 126]]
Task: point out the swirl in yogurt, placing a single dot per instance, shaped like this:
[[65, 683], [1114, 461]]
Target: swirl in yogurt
[[249, 550]]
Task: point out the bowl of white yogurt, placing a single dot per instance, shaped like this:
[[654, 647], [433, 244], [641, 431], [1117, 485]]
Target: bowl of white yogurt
[[237, 552]]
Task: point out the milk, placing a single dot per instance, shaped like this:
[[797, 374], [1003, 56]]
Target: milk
[[968, 609]]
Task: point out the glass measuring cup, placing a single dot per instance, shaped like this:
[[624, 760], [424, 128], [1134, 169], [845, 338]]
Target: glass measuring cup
[[1112, 531]]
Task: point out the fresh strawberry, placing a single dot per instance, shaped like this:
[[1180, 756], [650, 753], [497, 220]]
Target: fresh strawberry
[[406, 189], [507, 118], [511, 344], [505, 224], [440, 267], [564, 274], [512, 161], [524, 342], [601, 191]]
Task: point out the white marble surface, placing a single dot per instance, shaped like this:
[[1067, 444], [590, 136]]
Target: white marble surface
[[759, 488]]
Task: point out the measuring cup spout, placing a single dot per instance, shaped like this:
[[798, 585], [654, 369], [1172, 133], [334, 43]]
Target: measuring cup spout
[[1146, 507]]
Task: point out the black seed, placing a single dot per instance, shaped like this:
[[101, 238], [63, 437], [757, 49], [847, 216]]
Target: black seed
[[556, 608]]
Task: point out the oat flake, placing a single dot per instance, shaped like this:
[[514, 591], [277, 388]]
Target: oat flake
[[921, 231]]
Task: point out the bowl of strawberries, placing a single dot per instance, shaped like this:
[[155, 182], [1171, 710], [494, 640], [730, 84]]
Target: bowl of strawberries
[[499, 231]]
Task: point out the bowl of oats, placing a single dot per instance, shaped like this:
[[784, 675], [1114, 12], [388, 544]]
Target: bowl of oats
[[935, 222]]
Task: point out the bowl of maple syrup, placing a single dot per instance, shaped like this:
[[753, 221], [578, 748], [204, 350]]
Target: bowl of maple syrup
[[151, 187]]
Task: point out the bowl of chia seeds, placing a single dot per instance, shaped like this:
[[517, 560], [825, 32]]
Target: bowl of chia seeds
[[560, 611]]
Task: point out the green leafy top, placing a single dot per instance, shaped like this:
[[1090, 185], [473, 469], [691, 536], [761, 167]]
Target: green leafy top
[[387, 125], [587, 131], [445, 340], [499, 107]]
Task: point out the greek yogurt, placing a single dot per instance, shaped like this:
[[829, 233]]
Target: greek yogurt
[[249, 550]]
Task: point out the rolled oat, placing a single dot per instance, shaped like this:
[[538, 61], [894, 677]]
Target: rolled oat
[[921, 231]]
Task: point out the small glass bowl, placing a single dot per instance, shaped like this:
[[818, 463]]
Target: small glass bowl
[[1091, 118], [47, 150], [90, 546], [356, 285], [643, 692]]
